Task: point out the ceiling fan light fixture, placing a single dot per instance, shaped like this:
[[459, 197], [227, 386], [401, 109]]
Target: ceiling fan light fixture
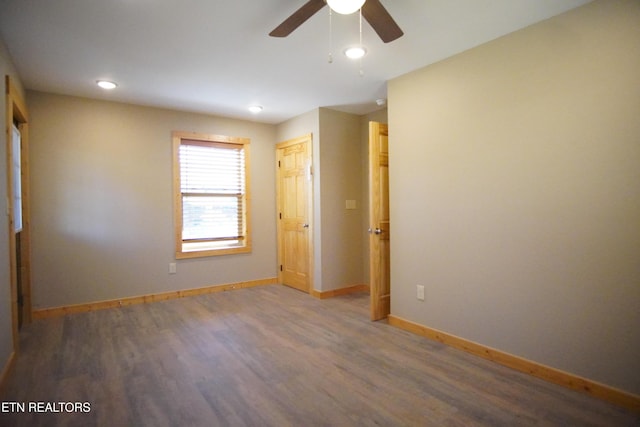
[[355, 52], [345, 7]]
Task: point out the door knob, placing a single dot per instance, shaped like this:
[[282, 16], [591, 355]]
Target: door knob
[[305, 225], [377, 231]]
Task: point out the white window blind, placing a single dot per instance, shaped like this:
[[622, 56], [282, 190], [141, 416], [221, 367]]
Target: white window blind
[[17, 179], [212, 185]]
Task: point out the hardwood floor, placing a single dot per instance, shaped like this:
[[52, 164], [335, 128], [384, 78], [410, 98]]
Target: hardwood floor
[[272, 356]]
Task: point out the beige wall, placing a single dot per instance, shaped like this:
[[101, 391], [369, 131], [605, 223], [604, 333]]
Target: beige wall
[[102, 201], [340, 173], [102, 212], [515, 193]]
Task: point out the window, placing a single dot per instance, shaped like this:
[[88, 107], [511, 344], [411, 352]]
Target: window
[[211, 194], [17, 179]]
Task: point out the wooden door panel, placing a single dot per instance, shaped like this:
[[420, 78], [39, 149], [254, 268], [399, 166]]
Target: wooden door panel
[[384, 193], [300, 201], [379, 223], [295, 269]]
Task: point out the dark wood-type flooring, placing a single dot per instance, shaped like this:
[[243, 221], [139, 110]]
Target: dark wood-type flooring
[[273, 356]]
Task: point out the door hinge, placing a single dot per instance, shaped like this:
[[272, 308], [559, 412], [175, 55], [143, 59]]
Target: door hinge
[[280, 267], [280, 215], [278, 163]]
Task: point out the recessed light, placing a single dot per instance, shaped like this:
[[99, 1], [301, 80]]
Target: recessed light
[[255, 109], [355, 52], [105, 84]]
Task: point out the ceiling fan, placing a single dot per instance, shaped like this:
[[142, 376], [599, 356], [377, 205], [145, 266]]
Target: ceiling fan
[[372, 10]]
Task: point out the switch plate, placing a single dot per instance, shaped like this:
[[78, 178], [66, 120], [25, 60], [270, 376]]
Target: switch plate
[[172, 268], [420, 292], [350, 204]]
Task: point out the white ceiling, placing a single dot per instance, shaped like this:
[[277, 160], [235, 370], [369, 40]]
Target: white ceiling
[[215, 57]]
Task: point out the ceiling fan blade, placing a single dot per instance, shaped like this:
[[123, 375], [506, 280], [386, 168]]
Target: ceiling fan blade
[[298, 18], [383, 24]]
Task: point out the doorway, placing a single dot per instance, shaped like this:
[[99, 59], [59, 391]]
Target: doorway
[[295, 201]]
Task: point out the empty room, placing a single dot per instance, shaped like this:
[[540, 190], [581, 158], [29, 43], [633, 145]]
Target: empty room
[[310, 212]]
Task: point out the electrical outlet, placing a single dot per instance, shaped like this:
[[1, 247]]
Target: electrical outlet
[[420, 292], [172, 268]]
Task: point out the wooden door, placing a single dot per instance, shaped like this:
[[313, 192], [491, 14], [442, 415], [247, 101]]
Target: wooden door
[[294, 213], [379, 231]]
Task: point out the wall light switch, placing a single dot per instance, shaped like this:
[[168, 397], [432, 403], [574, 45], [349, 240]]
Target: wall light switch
[[351, 204], [172, 268], [420, 292]]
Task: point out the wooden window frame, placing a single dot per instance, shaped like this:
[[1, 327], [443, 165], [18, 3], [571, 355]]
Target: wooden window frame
[[218, 248], [19, 254]]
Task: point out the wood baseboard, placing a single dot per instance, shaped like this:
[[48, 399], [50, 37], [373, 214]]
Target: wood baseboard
[[337, 292], [601, 391], [102, 305], [6, 372]]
